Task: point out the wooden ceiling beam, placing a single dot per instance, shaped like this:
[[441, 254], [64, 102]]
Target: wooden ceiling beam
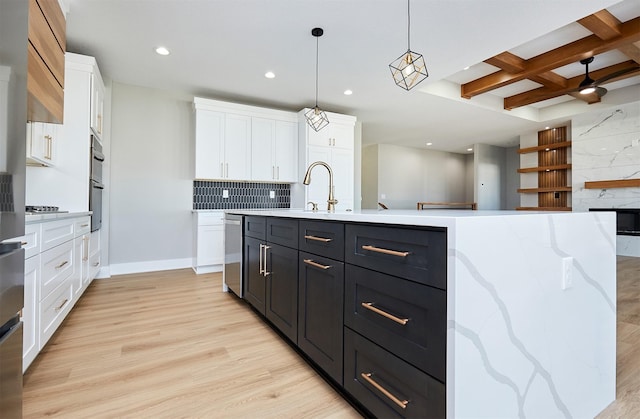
[[511, 63], [550, 79], [544, 93], [566, 54], [603, 24], [632, 51]]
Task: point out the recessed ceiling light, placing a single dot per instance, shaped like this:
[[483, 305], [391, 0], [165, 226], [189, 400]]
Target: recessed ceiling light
[[269, 75], [466, 68], [546, 127], [162, 51], [348, 92], [428, 144], [469, 149]]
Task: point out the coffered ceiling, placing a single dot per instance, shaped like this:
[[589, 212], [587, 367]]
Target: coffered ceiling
[[523, 58]]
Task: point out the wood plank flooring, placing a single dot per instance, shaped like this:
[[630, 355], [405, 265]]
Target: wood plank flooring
[[171, 344]]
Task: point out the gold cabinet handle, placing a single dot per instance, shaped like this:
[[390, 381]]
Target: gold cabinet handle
[[401, 403], [370, 306], [385, 251], [96, 264], [61, 305], [316, 264], [318, 239], [24, 243], [49, 140], [84, 225], [62, 264]]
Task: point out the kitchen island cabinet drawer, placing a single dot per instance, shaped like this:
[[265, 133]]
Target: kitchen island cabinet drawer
[[53, 310], [255, 227], [57, 266], [82, 226], [416, 254], [407, 319], [282, 231], [322, 238], [386, 385]]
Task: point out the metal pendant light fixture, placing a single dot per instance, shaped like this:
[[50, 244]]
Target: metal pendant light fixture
[[316, 118], [409, 69]]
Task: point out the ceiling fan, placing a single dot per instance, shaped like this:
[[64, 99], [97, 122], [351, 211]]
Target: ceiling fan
[[588, 85]]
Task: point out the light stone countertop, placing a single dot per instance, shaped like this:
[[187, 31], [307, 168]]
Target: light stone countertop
[[31, 218]]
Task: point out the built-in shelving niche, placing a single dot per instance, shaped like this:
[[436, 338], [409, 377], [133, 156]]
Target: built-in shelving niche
[[553, 171]]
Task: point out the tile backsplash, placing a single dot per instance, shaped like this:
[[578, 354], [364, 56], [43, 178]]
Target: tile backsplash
[[241, 195]]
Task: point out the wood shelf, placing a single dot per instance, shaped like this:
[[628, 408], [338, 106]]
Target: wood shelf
[[545, 168], [552, 189], [564, 144], [610, 184], [543, 208]]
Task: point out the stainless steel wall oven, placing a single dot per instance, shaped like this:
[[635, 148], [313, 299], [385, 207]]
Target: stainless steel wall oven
[[95, 183]]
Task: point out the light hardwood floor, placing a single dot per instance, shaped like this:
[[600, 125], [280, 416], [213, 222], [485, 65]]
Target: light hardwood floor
[[171, 344]]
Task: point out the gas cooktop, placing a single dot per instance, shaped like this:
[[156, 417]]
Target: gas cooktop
[[40, 209]]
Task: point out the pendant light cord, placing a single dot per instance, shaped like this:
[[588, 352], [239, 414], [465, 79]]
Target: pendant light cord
[[408, 27], [317, 55]]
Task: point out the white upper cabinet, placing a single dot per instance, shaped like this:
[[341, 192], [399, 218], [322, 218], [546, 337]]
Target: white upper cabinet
[[244, 143], [42, 141], [336, 134], [97, 103]]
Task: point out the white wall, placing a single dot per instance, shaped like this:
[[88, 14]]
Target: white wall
[[406, 175], [151, 180], [606, 146], [512, 180]]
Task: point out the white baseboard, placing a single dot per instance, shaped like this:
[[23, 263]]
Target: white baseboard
[[148, 266], [207, 269]]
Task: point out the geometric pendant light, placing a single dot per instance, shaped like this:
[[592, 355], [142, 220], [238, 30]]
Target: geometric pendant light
[[316, 118], [409, 69]]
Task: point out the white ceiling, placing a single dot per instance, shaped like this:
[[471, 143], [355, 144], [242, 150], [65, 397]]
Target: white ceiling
[[222, 48]]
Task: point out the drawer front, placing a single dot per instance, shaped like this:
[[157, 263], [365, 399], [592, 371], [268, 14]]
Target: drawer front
[[283, 231], [94, 265], [255, 227], [407, 319], [383, 383], [57, 266], [31, 240], [210, 218], [418, 255], [56, 232], [322, 238], [82, 226], [53, 310]]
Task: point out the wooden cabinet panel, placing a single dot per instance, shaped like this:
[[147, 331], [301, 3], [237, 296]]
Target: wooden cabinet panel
[[320, 318], [45, 95], [55, 19], [44, 41], [384, 383]]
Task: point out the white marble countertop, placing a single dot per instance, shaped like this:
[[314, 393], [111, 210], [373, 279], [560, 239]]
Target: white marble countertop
[[30, 218], [435, 217]]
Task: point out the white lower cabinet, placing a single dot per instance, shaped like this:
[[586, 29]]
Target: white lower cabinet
[[209, 241], [59, 265], [30, 333]]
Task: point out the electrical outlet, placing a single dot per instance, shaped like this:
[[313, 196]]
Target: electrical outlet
[[272, 194], [567, 272], [225, 193]]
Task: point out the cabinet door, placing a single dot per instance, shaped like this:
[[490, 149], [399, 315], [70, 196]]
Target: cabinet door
[[342, 136], [210, 250], [320, 299], [97, 104], [30, 345], [282, 289], [286, 152], [254, 281], [237, 141], [318, 189], [41, 143], [320, 138], [263, 132], [209, 145], [343, 166]]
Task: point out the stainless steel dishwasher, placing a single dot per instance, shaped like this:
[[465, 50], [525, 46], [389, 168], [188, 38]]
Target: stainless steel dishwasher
[[232, 272]]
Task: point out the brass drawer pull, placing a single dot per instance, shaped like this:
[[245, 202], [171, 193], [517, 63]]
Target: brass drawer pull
[[96, 264], [316, 264], [318, 239], [370, 306], [402, 403], [386, 251], [61, 305], [84, 225], [62, 264], [24, 243]]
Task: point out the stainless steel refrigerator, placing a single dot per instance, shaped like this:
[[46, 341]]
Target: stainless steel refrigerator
[[14, 20]]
